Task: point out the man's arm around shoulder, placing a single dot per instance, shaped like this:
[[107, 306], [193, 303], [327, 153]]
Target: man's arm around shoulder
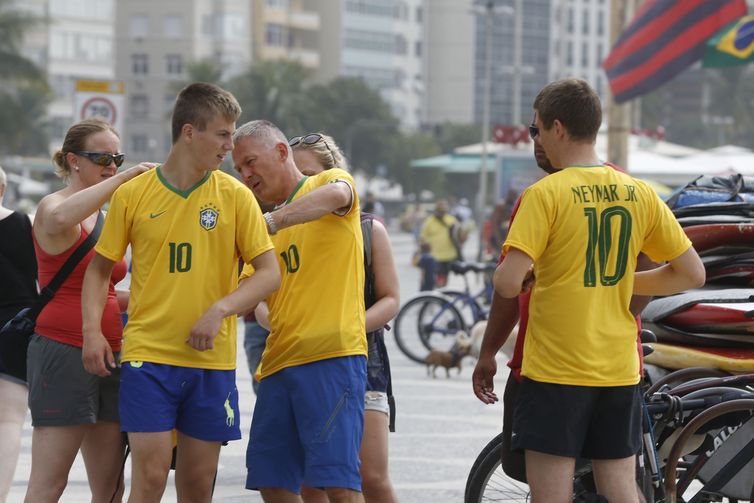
[[335, 197]]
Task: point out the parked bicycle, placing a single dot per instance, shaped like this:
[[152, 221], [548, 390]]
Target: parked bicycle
[[698, 445], [432, 320]]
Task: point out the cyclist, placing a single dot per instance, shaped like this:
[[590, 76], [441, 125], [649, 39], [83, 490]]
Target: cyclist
[[621, 216]]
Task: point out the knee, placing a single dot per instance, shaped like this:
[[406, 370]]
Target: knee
[[374, 480], [51, 490]]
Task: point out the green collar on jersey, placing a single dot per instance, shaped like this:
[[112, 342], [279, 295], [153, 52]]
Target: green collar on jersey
[[296, 189], [183, 193]]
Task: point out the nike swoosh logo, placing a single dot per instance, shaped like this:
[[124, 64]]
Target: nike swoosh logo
[[155, 215]]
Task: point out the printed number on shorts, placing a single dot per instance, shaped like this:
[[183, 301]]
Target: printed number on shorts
[[180, 257], [290, 257], [600, 238]]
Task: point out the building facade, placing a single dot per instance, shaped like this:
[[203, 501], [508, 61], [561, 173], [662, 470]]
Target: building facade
[[285, 29]]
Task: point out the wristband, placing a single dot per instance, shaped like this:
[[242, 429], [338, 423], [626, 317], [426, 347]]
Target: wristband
[[272, 227]]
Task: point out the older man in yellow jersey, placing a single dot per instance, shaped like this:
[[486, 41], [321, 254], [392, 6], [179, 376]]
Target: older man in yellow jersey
[[309, 414], [579, 232]]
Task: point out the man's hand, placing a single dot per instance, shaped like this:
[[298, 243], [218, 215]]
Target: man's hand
[[204, 331], [97, 355], [483, 379]]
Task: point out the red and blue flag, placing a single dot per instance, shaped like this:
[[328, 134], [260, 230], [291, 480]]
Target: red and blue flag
[[664, 38]]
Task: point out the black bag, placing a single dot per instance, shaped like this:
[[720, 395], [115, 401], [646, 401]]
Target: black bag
[[14, 339], [16, 333]]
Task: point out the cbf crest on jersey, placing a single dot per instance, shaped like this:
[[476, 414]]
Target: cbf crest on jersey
[[208, 216]]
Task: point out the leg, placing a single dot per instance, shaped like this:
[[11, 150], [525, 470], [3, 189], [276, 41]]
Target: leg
[[103, 449], [195, 469], [277, 495], [313, 495], [255, 337], [13, 398], [550, 477], [375, 478], [615, 479], [53, 449], [151, 454], [342, 495]]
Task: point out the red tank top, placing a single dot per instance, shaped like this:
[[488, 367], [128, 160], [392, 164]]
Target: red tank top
[[60, 320]]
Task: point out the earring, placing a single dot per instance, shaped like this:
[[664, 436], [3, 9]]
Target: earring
[[76, 168]]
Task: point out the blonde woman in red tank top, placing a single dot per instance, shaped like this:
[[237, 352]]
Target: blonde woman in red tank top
[[73, 410]]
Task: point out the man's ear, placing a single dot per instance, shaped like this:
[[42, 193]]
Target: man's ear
[[187, 130], [282, 150], [560, 129]]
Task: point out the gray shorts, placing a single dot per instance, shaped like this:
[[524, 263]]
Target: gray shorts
[[61, 392], [376, 400]]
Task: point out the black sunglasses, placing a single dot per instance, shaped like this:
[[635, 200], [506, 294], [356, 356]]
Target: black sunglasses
[[103, 158], [311, 139], [533, 131]]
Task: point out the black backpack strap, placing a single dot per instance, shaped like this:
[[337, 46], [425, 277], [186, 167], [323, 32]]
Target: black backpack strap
[[48, 292]]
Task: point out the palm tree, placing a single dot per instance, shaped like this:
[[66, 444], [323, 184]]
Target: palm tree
[[14, 24], [200, 70]]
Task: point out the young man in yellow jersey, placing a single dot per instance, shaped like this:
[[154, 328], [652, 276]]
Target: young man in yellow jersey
[[187, 223], [309, 415], [578, 232]]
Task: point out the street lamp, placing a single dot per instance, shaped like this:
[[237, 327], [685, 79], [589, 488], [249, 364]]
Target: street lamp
[[488, 10]]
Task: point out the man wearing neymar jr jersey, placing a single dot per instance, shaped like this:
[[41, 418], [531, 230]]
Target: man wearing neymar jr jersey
[[580, 362], [187, 224], [504, 314]]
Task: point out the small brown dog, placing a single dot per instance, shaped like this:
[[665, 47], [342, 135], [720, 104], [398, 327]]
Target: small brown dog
[[449, 359]]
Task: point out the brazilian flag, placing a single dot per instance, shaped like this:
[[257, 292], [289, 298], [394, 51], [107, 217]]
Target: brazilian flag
[[732, 46]]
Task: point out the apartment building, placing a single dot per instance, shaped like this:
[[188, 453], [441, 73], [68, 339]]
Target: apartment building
[[285, 29], [155, 42]]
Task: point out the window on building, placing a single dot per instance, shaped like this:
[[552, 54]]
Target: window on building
[[280, 4], [569, 25], [584, 55], [569, 53], [139, 106], [139, 143], [139, 64], [585, 22], [419, 14], [173, 26], [418, 49], [274, 34], [139, 26], [600, 22], [173, 64]]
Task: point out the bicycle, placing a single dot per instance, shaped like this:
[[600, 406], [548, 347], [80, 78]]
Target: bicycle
[[673, 414], [432, 320]]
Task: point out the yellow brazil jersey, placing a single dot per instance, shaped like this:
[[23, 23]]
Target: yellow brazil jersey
[[185, 247], [318, 312], [584, 228], [437, 234]]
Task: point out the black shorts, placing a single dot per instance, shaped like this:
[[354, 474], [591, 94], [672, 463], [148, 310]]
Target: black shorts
[[514, 464], [443, 269], [578, 421]]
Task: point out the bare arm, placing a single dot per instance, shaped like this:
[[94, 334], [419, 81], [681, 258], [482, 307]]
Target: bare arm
[[61, 214], [262, 314], [511, 275], [264, 281], [682, 273], [386, 285], [321, 201], [96, 352], [639, 302]]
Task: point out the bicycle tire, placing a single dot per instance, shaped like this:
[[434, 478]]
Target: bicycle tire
[[488, 482], [480, 457], [696, 424], [684, 375], [470, 308], [426, 323]]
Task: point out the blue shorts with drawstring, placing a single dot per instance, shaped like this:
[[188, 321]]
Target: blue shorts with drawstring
[[307, 426]]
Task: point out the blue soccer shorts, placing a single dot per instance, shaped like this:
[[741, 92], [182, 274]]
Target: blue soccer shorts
[[200, 403], [307, 426]]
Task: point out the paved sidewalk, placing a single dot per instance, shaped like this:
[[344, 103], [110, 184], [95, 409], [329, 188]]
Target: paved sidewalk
[[441, 427]]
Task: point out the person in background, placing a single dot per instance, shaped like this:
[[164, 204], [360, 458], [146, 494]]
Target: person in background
[[374, 206], [18, 270], [382, 300], [441, 232], [427, 264], [72, 410]]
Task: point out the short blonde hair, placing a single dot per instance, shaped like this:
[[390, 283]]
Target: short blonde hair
[[328, 152]]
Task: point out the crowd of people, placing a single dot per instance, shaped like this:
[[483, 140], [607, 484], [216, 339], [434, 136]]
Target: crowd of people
[[290, 248]]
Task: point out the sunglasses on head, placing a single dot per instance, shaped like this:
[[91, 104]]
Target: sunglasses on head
[[533, 131], [311, 139], [103, 158]]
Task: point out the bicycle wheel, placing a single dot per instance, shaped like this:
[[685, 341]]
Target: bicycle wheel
[[428, 322], [470, 309], [488, 482]]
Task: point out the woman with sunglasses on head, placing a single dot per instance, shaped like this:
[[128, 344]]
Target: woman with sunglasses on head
[[72, 409], [314, 153]]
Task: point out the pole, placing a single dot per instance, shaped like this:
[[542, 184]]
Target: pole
[[517, 34], [482, 196], [618, 116]]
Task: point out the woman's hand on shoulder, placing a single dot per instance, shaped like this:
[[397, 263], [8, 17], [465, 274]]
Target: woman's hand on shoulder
[[140, 168]]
